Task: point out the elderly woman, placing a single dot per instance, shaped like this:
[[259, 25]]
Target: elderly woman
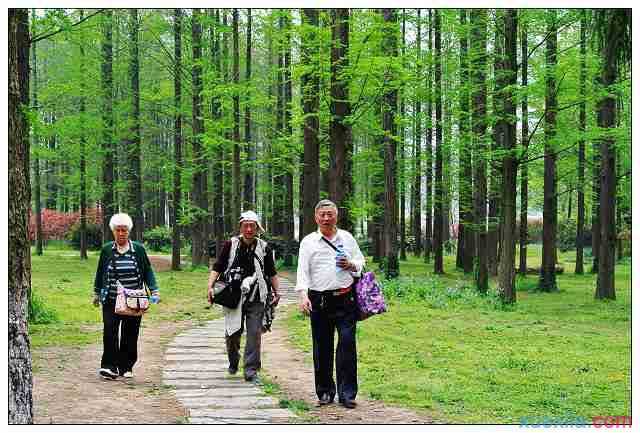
[[260, 286], [126, 261]]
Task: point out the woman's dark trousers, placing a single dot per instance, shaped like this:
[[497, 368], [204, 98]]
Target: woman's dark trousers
[[120, 339], [330, 313]]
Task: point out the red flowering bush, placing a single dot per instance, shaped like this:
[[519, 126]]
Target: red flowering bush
[[57, 225]]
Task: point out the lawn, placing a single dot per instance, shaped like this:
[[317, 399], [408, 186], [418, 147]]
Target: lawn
[[64, 285], [464, 358]]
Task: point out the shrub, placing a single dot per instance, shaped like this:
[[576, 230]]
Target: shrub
[[158, 238], [94, 236], [40, 313], [58, 225]]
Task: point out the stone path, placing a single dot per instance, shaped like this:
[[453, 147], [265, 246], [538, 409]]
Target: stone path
[[196, 367]]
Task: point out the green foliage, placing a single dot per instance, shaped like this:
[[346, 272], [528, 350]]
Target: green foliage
[[159, 238], [40, 313]]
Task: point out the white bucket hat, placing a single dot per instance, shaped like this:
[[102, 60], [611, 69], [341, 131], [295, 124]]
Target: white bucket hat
[[250, 216]]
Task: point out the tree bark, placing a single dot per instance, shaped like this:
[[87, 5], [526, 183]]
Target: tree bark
[[506, 272], [108, 203], [550, 211], [524, 167], [428, 233], [36, 160], [417, 146], [389, 112], [289, 231], [237, 198], [340, 181], [310, 107], [479, 125], [249, 175], [83, 152], [401, 153], [438, 220], [19, 276], [581, 144], [177, 143], [135, 171], [218, 167]]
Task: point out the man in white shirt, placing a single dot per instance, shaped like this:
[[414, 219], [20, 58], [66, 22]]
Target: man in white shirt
[[325, 280]]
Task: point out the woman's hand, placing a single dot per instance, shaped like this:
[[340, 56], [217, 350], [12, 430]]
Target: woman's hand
[[276, 297], [210, 295], [96, 300]]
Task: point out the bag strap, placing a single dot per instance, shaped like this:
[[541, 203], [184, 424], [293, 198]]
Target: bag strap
[[329, 243]]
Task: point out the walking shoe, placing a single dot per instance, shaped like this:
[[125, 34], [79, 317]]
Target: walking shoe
[[253, 379], [128, 374], [348, 403], [107, 373], [325, 399], [232, 370]]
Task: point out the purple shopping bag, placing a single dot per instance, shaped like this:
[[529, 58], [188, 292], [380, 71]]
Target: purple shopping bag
[[369, 296]]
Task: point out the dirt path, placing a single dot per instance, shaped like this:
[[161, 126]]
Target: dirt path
[[67, 389]]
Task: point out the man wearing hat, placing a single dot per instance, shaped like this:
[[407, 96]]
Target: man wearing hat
[[254, 259]]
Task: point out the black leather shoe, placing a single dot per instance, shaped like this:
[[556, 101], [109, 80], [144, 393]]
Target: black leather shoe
[[349, 404], [325, 399]]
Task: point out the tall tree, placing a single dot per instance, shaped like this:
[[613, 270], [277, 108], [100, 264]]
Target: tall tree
[[229, 208], [19, 275], [236, 118], [466, 242], [479, 125], [417, 145], [199, 226], [249, 177], [177, 139], [524, 168], [341, 150], [289, 231], [438, 210], [614, 37], [218, 164], [83, 154], [389, 112], [310, 104], [428, 233], [36, 144], [581, 144], [108, 202], [401, 150], [135, 170], [550, 211], [506, 272]]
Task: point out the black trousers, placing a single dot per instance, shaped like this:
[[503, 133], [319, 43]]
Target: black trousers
[[330, 314], [119, 339]]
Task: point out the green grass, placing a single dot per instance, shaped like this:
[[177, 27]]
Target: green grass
[[464, 358], [64, 285]]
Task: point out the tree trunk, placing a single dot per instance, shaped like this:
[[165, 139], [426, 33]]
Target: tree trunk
[[401, 153], [83, 152], [479, 125], [581, 144], [550, 211], [135, 171], [177, 143], [229, 223], [288, 226], [340, 181], [310, 107], [200, 226], [237, 198], [428, 233], [218, 168], [417, 146], [108, 203], [506, 276], [524, 167], [466, 241], [19, 274], [389, 112], [249, 176], [616, 23], [36, 160], [438, 220]]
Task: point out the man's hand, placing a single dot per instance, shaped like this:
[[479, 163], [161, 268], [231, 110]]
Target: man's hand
[[276, 297], [210, 295], [345, 264], [96, 300], [305, 303]]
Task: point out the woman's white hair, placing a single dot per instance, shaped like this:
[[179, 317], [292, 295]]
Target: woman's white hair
[[120, 219]]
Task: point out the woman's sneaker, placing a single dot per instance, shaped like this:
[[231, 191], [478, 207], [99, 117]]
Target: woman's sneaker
[[128, 374], [107, 373]]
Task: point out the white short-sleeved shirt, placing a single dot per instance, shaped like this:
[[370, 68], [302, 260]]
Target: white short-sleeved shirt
[[317, 262]]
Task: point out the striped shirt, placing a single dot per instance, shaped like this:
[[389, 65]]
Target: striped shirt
[[126, 270]]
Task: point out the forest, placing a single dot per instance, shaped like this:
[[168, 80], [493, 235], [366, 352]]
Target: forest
[[465, 140]]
